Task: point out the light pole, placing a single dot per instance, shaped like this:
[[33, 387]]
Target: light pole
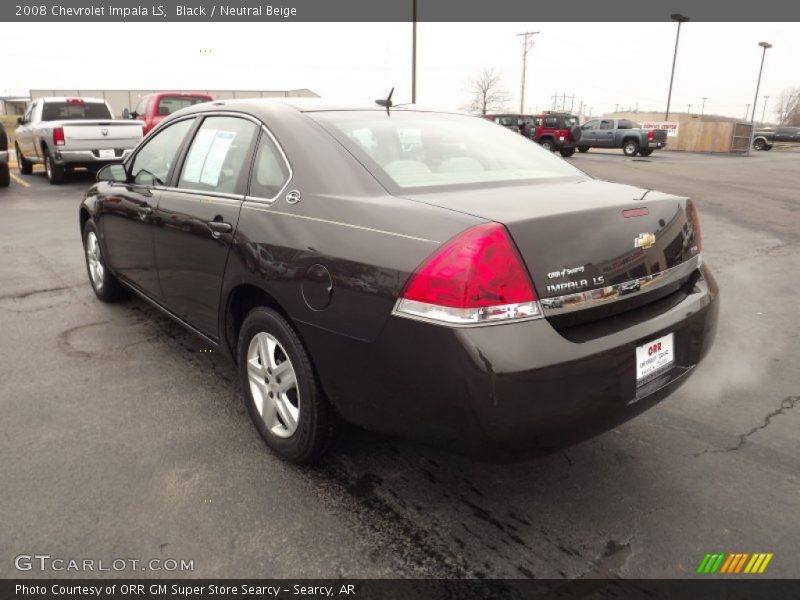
[[414, 52], [765, 46], [746, 110], [764, 111], [680, 19], [703, 108], [527, 44], [689, 109]]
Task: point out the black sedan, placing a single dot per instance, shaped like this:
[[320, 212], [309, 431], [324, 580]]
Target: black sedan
[[417, 273], [5, 174]]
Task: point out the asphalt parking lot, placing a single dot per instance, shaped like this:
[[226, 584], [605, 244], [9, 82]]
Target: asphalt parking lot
[[123, 437]]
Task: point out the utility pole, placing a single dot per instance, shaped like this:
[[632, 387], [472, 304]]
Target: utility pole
[[703, 107], [616, 108], [689, 109], [764, 112], [527, 44], [555, 99], [765, 46], [680, 19], [746, 110]]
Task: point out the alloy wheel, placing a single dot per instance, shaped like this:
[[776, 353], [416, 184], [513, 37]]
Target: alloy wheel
[[94, 258], [273, 385]]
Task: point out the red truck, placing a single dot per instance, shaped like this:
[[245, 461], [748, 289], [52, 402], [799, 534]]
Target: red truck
[[155, 107]]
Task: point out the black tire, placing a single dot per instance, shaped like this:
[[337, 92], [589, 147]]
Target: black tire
[[25, 166], [583, 149], [54, 171], [630, 147], [106, 287], [567, 152], [575, 133], [547, 144], [317, 421], [5, 175], [646, 151]]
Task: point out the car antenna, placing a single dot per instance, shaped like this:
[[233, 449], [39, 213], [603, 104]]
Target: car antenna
[[386, 102]]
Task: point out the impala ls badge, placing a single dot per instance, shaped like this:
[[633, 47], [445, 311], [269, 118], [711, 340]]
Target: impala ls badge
[[104, 131], [293, 197], [644, 240]]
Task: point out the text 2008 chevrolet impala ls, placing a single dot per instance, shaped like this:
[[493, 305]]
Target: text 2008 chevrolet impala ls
[[417, 273]]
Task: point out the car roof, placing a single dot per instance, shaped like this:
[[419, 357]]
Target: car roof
[[265, 106]]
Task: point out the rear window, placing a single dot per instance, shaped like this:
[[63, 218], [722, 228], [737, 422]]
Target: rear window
[[66, 111], [170, 104], [410, 149]]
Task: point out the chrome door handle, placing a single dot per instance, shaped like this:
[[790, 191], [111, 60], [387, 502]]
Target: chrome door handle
[[219, 227]]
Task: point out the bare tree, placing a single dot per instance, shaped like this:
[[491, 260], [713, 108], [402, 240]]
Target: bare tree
[[488, 93], [788, 107]]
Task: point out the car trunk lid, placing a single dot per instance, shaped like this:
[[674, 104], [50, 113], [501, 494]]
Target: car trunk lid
[[586, 238]]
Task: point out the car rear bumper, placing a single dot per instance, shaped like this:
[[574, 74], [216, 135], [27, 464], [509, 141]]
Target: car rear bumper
[[88, 157], [505, 391], [657, 145]]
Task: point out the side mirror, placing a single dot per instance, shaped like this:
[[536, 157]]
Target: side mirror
[[126, 113], [20, 121], [114, 173]]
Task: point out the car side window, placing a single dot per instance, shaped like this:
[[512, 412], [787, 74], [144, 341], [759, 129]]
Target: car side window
[[217, 156], [606, 124], [152, 164], [269, 172], [551, 122], [140, 108], [590, 125]]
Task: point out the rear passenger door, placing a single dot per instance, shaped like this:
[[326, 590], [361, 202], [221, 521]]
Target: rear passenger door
[[198, 215]]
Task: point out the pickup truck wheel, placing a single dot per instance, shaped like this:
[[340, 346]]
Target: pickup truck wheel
[[547, 144], [25, 166], [583, 149], [105, 285], [281, 389], [567, 152], [55, 172], [630, 147], [5, 175], [759, 145], [645, 151]]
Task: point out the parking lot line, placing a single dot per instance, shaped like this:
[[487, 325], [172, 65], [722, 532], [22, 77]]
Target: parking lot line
[[20, 181]]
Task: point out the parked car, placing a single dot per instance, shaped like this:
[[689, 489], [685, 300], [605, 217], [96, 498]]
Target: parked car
[[153, 108], [556, 131], [621, 133], [69, 133], [446, 292], [764, 139], [513, 121], [5, 176]]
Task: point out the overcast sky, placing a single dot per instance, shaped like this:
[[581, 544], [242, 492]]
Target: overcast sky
[[600, 63]]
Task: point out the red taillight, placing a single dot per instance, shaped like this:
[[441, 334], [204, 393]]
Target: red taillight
[[476, 277], [651, 135], [74, 100], [58, 136], [695, 220]]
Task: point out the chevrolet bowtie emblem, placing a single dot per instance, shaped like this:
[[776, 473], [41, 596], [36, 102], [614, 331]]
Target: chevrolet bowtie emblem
[[644, 240]]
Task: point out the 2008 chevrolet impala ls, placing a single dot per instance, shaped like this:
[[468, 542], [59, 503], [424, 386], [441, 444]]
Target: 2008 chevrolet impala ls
[[421, 274]]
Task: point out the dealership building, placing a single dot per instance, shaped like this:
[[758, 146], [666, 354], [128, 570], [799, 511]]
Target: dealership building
[[122, 99]]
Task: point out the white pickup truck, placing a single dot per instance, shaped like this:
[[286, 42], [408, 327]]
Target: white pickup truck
[[68, 133]]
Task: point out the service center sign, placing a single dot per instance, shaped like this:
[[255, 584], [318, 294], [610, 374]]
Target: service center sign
[[671, 127]]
